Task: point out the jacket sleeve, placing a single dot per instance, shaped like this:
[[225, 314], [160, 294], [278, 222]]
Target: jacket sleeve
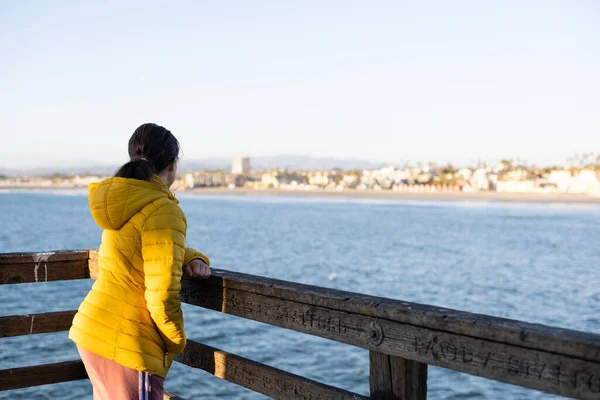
[[163, 251], [190, 254]]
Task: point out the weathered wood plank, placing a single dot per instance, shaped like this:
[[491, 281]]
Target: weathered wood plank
[[258, 377], [395, 378], [530, 355], [43, 271], [31, 324], [547, 371], [410, 376], [380, 378], [16, 378], [535, 336], [49, 256], [562, 341], [398, 374]]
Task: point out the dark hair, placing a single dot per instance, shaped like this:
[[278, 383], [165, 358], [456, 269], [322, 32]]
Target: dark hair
[[151, 149]]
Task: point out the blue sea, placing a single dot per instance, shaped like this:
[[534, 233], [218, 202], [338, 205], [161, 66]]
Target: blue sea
[[532, 262]]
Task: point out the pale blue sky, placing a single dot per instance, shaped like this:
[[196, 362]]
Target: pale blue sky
[[384, 81]]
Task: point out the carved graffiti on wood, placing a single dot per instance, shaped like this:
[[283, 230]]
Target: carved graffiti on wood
[[524, 366]]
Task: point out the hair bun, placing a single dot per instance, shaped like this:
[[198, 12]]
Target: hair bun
[[155, 146]]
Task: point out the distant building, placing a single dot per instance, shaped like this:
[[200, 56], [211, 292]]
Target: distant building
[[586, 183], [561, 178], [464, 173], [517, 175], [189, 181], [499, 168], [240, 165], [480, 180], [321, 178], [270, 179], [514, 186]]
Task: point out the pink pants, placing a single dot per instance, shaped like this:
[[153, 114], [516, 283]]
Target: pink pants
[[112, 381]]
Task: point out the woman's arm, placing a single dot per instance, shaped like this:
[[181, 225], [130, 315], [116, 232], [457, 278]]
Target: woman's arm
[[197, 265], [190, 254], [163, 251]]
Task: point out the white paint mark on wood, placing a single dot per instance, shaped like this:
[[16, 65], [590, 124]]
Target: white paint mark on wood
[[38, 259], [31, 327]]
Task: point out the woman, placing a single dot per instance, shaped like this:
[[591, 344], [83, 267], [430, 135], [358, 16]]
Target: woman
[[130, 323]]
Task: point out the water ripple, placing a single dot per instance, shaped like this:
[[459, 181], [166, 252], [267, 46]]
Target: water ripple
[[534, 262]]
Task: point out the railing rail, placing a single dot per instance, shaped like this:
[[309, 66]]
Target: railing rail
[[17, 378], [402, 337]]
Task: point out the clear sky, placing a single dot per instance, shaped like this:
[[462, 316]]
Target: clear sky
[[380, 80]]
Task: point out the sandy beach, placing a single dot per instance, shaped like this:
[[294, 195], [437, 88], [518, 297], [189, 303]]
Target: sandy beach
[[366, 194], [433, 196]]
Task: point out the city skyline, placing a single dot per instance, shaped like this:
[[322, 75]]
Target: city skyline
[[384, 82], [225, 161], [244, 164]]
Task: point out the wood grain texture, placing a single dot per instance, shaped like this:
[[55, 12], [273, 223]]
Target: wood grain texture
[[380, 377], [43, 271], [414, 377], [395, 378], [551, 372], [258, 377], [16, 378], [50, 256], [553, 360], [30, 324], [536, 336]]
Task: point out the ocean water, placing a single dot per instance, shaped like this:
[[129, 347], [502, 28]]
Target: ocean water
[[532, 262]]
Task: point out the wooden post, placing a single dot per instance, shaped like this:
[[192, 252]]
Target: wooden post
[[395, 378]]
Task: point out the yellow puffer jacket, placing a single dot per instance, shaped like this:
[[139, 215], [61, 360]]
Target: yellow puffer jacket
[[133, 313]]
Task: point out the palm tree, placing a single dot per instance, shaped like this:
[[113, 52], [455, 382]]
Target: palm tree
[[449, 169], [508, 163]]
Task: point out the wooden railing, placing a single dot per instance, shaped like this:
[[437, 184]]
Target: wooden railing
[[402, 337]]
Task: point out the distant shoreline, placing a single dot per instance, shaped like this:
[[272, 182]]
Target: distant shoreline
[[366, 194], [388, 194]]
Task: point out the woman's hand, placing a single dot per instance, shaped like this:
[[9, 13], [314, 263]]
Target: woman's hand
[[196, 269]]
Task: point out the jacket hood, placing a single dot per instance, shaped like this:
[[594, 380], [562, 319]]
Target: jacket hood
[[114, 201]]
